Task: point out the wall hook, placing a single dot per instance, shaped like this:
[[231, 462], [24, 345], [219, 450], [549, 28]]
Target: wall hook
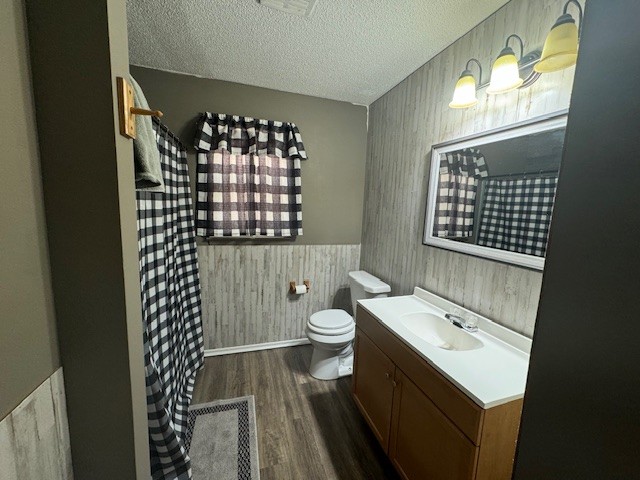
[[127, 109]]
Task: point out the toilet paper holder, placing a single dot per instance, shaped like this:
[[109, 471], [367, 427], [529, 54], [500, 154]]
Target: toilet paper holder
[[292, 286]]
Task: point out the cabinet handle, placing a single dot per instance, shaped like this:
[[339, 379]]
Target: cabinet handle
[[387, 375], [393, 382]]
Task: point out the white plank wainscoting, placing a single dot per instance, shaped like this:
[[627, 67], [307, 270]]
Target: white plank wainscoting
[[34, 437], [413, 116], [245, 290]]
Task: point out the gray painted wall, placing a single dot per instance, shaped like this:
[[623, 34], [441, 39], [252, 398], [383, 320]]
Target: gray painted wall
[[334, 135], [77, 50], [413, 116], [28, 344], [245, 283]]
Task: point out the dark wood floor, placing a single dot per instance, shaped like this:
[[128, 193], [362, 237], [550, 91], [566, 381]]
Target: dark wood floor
[[308, 429]]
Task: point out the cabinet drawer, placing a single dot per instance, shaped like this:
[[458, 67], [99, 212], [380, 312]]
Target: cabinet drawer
[[455, 405]]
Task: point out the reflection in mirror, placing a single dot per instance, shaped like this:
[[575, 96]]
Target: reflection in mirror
[[497, 192]]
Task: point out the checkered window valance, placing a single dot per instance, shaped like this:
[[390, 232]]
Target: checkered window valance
[[249, 181], [468, 162], [248, 135]]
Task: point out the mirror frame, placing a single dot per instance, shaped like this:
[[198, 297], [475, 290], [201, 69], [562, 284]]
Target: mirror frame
[[534, 125]]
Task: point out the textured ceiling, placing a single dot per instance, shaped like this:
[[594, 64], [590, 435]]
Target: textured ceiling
[[351, 50]]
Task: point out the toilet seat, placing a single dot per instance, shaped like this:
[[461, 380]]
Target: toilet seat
[[331, 342], [331, 322], [328, 332]]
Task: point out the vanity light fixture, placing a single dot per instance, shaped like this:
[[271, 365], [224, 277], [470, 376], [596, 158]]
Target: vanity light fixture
[[561, 45], [505, 74], [508, 73], [464, 95]]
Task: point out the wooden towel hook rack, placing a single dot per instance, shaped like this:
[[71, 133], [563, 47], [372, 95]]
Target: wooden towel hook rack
[[128, 110], [143, 111]]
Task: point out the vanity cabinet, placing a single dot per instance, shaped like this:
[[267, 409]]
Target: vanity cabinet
[[428, 427]]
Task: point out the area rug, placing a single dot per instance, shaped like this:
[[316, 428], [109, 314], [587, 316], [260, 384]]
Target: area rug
[[222, 441]]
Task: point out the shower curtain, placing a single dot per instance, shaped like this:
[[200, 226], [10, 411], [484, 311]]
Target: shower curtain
[[517, 214], [173, 337]]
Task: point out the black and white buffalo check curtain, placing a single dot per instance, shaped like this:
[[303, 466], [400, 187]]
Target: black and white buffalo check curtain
[[468, 162], [248, 135], [249, 181], [457, 189], [455, 206], [173, 336], [517, 214]]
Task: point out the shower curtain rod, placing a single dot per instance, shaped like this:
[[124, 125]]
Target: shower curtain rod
[[166, 130]]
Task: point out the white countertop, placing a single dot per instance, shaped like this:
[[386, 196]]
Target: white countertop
[[490, 376]]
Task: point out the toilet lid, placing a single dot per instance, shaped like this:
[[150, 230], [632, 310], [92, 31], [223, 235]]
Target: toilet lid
[[333, 319]]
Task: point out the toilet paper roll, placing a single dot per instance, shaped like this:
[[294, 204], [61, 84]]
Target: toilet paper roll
[[300, 289]]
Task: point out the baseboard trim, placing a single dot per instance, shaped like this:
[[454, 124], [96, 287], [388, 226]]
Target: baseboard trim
[[255, 347]]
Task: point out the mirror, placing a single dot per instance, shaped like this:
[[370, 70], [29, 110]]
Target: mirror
[[492, 195]]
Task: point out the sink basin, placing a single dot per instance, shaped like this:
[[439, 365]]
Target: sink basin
[[439, 332]]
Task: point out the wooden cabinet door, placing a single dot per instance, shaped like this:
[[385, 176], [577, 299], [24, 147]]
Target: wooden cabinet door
[[373, 386], [424, 443]]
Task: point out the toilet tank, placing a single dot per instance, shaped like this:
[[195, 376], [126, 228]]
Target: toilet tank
[[364, 285]]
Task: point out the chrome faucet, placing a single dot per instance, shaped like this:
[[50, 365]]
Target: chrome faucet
[[460, 322]]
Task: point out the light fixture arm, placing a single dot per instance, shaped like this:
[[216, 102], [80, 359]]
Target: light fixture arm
[[479, 68], [519, 40], [580, 13]]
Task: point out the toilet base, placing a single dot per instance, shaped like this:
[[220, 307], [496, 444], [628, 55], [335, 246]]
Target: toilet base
[[329, 364]]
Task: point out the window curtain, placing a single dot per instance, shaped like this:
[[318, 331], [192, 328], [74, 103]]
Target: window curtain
[[249, 181], [172, 327], [517, 214], [457, 189], [455, 206]]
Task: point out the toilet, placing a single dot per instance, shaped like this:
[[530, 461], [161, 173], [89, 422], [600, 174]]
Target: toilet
[[331, 332]]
